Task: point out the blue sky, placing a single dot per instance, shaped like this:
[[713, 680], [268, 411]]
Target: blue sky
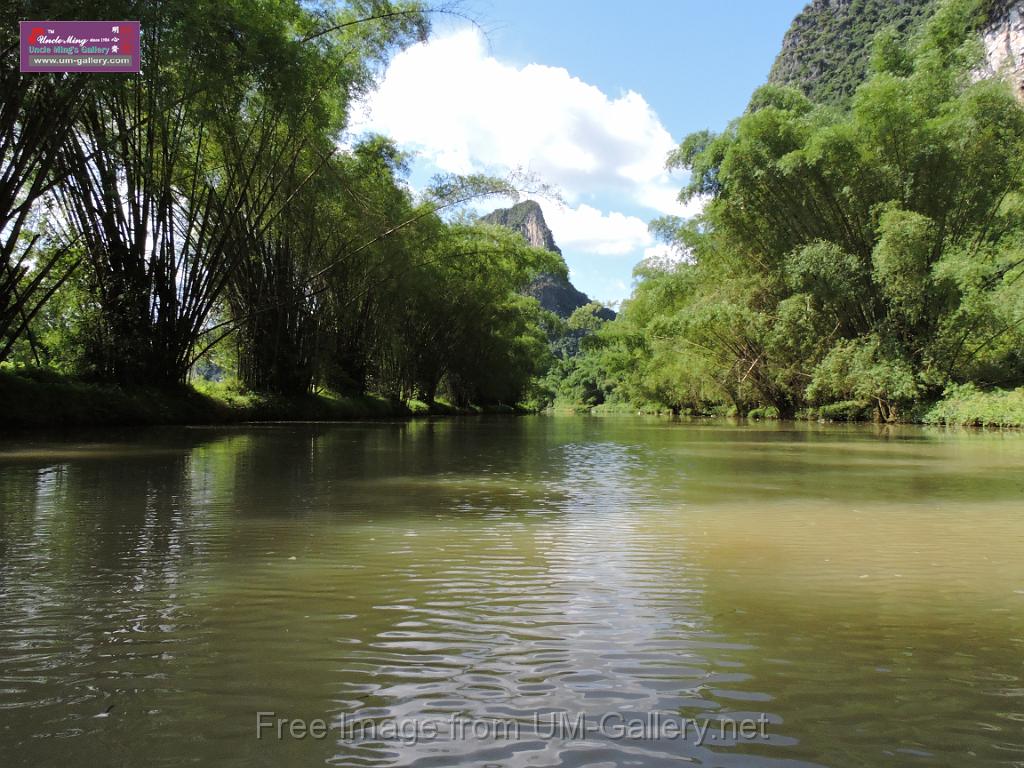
[[587, 95]]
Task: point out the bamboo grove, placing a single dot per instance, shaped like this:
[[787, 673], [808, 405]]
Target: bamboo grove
[[854, 261], [203, 218]]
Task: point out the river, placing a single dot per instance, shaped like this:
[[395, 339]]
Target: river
[[536, 591]]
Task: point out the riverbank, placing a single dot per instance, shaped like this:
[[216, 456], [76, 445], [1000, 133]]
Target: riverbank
[[42, 399], [961, 406]]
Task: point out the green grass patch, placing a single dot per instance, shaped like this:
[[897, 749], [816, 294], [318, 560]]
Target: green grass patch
[[33, 398]]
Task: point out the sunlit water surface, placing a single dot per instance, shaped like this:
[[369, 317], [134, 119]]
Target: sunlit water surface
[[861, 588]]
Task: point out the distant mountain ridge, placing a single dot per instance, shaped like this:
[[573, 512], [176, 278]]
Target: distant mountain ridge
[[554, 292]]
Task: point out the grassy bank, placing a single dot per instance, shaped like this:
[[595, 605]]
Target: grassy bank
[[42, 399]]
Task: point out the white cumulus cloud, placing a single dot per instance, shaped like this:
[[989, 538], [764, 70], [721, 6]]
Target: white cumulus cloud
[[465, 111], [585, 228]]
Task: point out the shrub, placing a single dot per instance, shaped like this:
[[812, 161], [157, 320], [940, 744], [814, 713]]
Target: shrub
[[966, 405], [763, 412]]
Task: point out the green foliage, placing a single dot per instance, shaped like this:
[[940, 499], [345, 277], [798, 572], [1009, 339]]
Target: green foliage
[[901, 260], [966, 405], [701, 153], [762, 414], [847, 262], [889, 54], [199, 221], [586, 319], [862, 370], [829, 47]]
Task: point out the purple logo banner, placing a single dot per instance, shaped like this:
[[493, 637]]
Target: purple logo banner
[[80, 46]]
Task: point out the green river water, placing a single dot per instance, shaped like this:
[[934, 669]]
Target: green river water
[[457, 588]]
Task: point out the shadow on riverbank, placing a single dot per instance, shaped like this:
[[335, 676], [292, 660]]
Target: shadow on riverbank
[[52, 401]]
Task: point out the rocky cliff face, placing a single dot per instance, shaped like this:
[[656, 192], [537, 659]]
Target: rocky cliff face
[[555, 293], [1003, 38], [528, 218], [826, 51]]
